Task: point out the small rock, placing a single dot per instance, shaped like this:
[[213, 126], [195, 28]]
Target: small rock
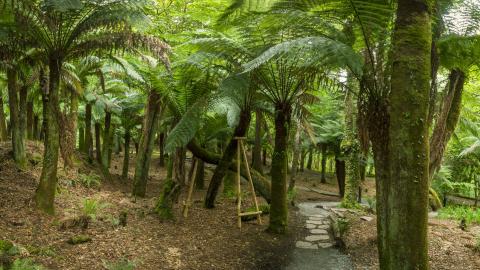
[[305, 245], [325, 245], [316, 222], [315, 218], [313, 238], [339, 209], [318, 231], [311, 226], [323, 227], [366, 218]]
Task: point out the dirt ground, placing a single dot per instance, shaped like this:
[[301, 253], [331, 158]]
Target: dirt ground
[[207, 239]]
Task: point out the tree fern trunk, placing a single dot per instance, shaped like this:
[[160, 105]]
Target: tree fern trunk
[[88, 131], [30, 120], [323, 179], [98, 143], [278, 206], [18, 141], [408, 132], [200, 175], [126, 155], [45, 193], [226, 160], [145, 148], [3, 124]]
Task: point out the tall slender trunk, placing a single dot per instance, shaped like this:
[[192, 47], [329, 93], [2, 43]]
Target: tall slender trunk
[[30, 121], [88, 131], [126, 155], [106, 141], [302, 160], [81, 139], [45, 193], [172, 186], [98, 143], [264, 157], [278, 206], [310, 159], [68, 132], [257, 147], [161, 146], [145, 148], [22, 106], [447, 119], [340, 174], [228, 156], [3, 124], [351, 149], [18, 141], [36, 130], [200, 175], [323, 148], [408, 139], [295, 160]]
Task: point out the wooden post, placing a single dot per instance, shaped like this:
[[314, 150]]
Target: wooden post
[[250, 181], [239, 191], [187, 203], [257, 212]]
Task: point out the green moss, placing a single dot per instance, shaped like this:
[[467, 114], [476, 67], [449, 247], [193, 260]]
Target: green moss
[[5, 246], [79, 239]]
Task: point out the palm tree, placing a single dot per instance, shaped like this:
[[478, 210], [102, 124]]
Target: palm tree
[[64, 31]]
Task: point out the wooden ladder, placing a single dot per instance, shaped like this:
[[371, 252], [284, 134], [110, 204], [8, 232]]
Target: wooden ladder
[[240, 214]]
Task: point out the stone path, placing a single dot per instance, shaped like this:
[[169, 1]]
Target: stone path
[[315, 250]]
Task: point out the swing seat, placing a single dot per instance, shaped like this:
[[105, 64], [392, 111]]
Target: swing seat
[[250, 213]]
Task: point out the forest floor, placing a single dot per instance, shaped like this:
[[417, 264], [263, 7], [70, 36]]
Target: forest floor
[[206, 239]]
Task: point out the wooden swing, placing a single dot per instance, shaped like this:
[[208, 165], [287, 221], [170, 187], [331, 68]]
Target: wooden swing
[[240, 214]]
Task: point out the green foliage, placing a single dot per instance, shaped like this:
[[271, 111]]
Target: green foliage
[[90, 180], [26, 264], [292, 194], [468, 213], [341, 226], [122, 264], [372, 204], [91, 207]]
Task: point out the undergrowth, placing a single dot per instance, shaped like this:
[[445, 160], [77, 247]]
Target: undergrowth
[[470, 214]]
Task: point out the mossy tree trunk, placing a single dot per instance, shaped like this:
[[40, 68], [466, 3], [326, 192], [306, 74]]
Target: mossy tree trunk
[[340, 174], [226, 160], [447, 119], [295, 159], [3, 123], [278, 207], [200, 175], [88, 131], [18, 140], [126, 155], [68, 132], [45, 193], [161, 148], [257, 147], [172, 186], [351, 150], [107, 142], [406, 245], [36, 129], [145, 148], [22, 106], [30, 121], [98, 143], [81, 139], [310, 158], [323, 148]]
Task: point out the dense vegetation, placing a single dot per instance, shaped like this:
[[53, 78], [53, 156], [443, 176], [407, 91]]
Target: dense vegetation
[[386, 88]]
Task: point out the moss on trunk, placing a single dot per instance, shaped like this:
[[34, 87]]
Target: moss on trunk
[[88, 131], [406, 245], [18, 140], [3, 123], [145, 148], [278, 209], [126, 155], [45, 193], [98, 143]]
